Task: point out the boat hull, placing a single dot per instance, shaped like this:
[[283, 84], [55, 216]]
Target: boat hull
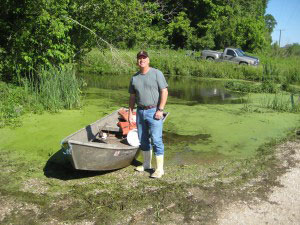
[[95, 158], [86, 150]]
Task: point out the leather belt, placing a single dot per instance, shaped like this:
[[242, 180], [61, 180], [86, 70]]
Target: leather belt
[[147, 107]]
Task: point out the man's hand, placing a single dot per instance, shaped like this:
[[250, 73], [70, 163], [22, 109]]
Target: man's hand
[[130, 117], [131, 106], [164, 96], [158, 115]]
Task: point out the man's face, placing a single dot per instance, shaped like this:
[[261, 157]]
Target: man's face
[[143, 61]]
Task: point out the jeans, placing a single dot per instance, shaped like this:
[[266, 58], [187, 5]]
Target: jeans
[[149, 127]]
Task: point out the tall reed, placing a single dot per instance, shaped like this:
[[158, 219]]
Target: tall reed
[[281, 102], [51, 90], [58, 88], [187, 63]]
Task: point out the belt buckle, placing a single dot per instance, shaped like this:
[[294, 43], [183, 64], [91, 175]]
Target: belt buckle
[[151, 106], [148, 107]]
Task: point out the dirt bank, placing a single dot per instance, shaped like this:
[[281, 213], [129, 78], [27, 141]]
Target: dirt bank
[[186, 195], [282, 203]]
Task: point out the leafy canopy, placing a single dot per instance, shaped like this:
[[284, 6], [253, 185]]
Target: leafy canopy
[[35, 34]]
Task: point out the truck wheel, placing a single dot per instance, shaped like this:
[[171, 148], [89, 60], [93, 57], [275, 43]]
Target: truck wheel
[[210, 59], [243, 63]]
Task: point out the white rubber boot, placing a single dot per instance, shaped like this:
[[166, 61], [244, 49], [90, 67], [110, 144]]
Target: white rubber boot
[[159, 167], [147, 155]]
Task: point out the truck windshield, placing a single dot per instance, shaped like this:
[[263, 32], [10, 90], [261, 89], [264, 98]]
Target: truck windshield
[[240, 52]]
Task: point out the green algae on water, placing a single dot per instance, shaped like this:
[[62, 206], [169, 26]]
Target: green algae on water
[[211, 149]]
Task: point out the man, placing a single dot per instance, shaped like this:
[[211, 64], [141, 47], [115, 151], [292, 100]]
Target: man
[[148, 89]]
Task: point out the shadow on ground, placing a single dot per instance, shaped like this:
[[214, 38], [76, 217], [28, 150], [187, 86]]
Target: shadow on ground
[[59, 167]]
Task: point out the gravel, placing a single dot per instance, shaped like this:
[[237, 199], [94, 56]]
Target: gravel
[[282, 206]]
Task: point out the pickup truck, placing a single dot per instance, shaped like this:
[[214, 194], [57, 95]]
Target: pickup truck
[[234, 55]]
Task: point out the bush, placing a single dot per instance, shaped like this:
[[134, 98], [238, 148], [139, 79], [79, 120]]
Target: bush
[[268, 86], [241, 86], [293, 49], [11, 104]]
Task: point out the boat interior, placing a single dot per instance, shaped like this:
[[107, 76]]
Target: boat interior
[[104, 131]]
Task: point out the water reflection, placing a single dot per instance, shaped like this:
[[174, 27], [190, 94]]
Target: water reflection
[[184, 140], [195, 90], [202, 91], [183, 154]]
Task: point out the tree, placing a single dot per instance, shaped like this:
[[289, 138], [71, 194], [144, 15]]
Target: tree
[[179, 31], [270, 22], [124, 23], [40, 33], [34, 34]]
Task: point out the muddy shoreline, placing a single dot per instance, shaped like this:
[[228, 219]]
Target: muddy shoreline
[[186, 195]]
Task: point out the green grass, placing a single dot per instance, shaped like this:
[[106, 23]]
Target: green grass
[[273, 69]]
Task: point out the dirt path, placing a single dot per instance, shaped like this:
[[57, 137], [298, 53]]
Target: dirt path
[[283, 204]]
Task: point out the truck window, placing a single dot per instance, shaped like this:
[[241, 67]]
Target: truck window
[[230, 52], [240, 52]]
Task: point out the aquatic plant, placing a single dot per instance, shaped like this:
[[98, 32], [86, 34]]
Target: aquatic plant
[[247, 106], [53, 89], [58, 88], [281, 102]]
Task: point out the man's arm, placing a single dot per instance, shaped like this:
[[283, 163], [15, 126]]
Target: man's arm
[[131, 107], [163, 101], [163, 98]]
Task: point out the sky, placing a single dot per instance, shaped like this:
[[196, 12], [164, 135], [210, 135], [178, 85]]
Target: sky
[[287, 15]]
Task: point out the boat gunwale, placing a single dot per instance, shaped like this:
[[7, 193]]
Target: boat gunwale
[[102, 145], [95, 144], [82, 129]]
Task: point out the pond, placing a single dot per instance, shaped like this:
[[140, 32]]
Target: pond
[[183, 91], [193, 90], [206, 123]]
